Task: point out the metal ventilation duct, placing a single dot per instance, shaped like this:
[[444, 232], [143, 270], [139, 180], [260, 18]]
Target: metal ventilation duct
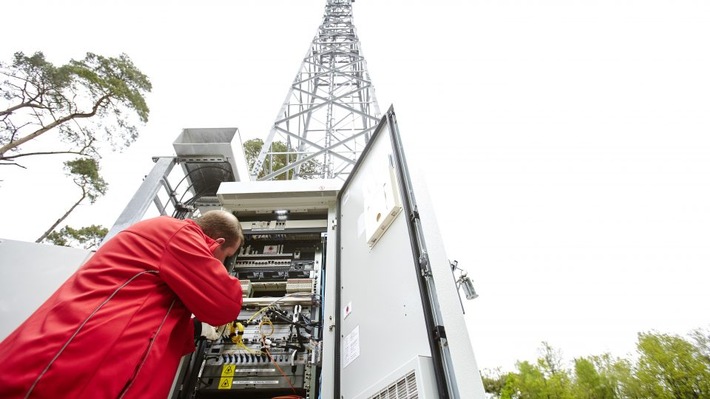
[[209, 157]]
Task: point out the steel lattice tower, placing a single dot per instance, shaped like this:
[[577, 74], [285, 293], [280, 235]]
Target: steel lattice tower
[[330, 110]]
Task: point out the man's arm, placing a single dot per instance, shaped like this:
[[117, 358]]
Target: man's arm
[[199, 280]]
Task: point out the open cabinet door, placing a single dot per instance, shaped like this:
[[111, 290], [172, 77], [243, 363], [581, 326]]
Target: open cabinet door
[[400, 330]]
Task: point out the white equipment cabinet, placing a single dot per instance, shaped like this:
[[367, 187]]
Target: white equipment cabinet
[[390, 321]]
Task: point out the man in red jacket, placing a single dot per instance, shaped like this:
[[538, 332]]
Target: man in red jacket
[[118, 327]]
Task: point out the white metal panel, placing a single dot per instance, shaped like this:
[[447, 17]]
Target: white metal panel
[[397, 296], [382, 323], [278, 194], [29, 274]]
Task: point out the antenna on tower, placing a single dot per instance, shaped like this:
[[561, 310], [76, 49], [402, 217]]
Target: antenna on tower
[[330, 110]]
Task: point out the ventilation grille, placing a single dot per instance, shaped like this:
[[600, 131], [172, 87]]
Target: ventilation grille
[[405, 388]]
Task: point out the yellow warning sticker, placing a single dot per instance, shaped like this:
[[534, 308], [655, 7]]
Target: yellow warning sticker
[[228, 370], [227, 375], [225, 383]]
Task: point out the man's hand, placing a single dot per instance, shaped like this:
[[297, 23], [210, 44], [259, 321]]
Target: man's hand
[[209, 332]]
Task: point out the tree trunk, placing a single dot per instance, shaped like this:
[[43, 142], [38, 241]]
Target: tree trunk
[[54, 226]]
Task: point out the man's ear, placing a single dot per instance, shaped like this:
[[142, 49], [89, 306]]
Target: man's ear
[[220, 241]]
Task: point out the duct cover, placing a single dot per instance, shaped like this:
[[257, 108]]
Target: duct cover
[[210, 156]]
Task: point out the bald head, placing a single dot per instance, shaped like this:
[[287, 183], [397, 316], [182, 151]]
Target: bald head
[[221, 224]]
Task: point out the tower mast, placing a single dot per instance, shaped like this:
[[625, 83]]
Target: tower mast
[[330, 110]]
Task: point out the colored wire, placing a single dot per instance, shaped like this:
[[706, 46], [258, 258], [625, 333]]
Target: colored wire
[[267, 307], [263, 321], [282, 372]]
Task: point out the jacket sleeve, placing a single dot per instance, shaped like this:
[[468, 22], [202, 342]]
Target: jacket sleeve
[[199, 279]]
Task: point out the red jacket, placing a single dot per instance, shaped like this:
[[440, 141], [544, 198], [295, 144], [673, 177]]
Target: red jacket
[[118, 327]]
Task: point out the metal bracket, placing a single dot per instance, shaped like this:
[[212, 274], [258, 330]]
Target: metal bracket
[[414, 215], [439, 333], [424, 264]]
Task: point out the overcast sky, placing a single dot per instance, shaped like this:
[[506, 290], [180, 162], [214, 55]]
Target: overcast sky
[[565, 143]]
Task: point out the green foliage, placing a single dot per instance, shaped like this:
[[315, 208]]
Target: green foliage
[[672, 367], [281, 156], [528, 382], [701, 339], [86, 237], [544, 379], [629, 385], [252, 148], [595, 378], [494, 381], [668, 366], [85, 174], [85, 102]]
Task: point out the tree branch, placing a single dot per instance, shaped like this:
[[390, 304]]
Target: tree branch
[[12, 164], [52, 125], [80, 152], [26, 104]]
